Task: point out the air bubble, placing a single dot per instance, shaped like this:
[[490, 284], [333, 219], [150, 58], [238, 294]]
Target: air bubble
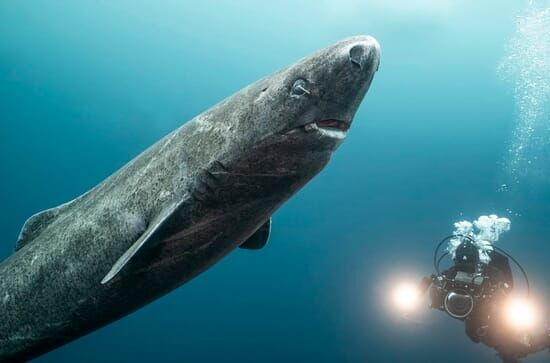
[[527, 66]]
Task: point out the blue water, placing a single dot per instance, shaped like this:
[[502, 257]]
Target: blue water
[[85, 86]]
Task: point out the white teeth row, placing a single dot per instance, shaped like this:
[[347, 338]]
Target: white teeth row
[[311, 127], [337, 134]]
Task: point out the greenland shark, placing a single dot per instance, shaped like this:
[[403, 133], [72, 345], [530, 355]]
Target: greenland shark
[[205, 189]]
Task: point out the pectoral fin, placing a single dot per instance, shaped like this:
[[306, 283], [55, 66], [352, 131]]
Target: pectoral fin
[[150, 233], [259, 239]]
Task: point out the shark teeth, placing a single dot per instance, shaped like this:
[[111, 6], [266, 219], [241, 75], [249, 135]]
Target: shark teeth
[[332, 133], [311, 127], [331, 128]]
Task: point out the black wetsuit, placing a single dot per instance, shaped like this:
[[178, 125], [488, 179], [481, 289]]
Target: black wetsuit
[[484, 326]]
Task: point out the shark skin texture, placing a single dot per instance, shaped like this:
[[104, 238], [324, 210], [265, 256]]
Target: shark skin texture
[[187, 201]]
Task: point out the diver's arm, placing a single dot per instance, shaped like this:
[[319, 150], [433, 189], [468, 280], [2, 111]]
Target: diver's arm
[[425, 284]]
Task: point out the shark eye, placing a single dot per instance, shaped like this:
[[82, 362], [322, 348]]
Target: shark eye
[[299, 88]]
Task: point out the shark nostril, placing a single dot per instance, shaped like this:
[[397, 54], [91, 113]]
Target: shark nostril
[[358, 55]]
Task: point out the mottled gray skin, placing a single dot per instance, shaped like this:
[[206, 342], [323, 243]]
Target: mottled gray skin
[[228, 170]]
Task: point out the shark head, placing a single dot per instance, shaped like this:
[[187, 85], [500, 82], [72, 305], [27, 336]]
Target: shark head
[[317, 98], [279, 132], [304, 112]]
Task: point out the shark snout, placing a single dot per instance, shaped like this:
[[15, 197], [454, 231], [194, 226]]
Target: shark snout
[[356, 60], [338, 78], [365, 53]]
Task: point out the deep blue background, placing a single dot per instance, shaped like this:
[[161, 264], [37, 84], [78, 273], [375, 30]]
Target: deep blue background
[[85, 86]]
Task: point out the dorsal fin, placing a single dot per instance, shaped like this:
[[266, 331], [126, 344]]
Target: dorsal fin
[[39, 221], [35, 225]]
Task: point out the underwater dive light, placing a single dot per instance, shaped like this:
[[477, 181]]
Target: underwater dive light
[[520, 313], [406, 297]]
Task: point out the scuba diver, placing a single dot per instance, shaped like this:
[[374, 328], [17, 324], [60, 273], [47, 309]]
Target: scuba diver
[[480, 293]]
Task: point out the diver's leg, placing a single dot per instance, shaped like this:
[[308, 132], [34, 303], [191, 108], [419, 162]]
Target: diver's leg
[[471, 328], [509, 359]]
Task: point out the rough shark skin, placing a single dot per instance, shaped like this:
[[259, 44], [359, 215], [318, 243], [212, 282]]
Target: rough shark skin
[[201, 191]]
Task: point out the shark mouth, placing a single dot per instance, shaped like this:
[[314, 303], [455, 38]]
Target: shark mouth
[[332, 125], [331, 128]]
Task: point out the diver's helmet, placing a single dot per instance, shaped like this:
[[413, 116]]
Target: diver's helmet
[[466, 253]]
